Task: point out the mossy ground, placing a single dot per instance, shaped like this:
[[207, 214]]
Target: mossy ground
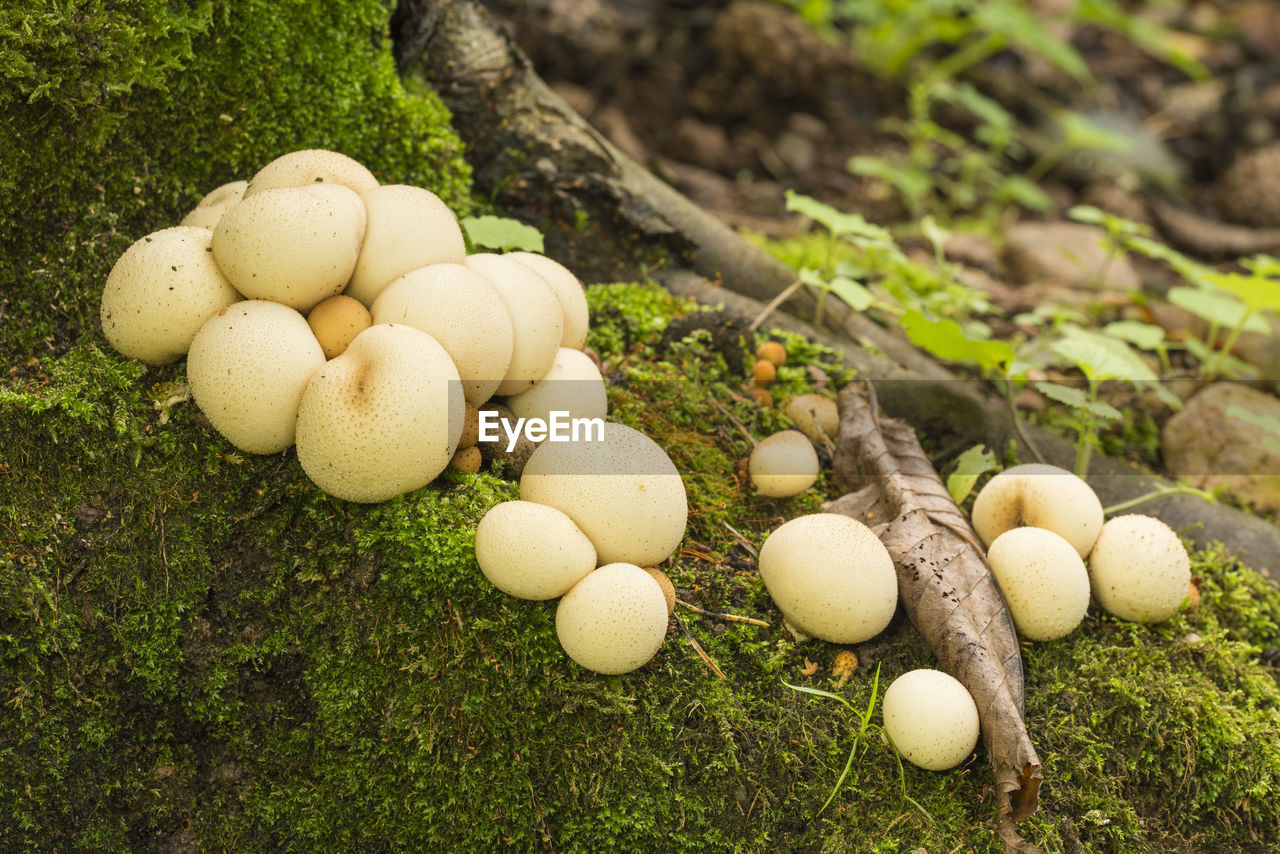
[[201, 650]]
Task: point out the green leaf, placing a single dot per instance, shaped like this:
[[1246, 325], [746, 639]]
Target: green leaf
[[857, 297], [501, 233], [1018, 26], [1218, 308], [1080, 131], [915, 185], [1101, 357], [1025, 192], [1262, 422], [969, 466], [1144, 336], [946, 340], [835, 221], [1078, 399], [1257, 292]]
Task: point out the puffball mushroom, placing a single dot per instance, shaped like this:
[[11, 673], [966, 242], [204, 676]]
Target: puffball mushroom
[[291, 245], [623, 492], [312, 166], [1139, 568], [816, 416], [1043, 580], [613, 620], [572, 385], [460, 309], [532, 551], [536, 317], [209, 210], [573, 300], [831, 577], [408, 227], [783, 465], [383, 418], [1040, 496], [931, 719], [160, 292], [247, 369], [336, 321]]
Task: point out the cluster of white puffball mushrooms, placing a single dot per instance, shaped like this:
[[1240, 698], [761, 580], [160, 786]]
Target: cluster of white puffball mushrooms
[[320, 308]]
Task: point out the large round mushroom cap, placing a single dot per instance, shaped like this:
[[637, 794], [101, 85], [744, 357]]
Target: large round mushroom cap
[[382, 419], [831, 577], [623, 492], [1043, 580], [573, 300], [532, 551], [613, 620], [312, 166], [210, 209], [292, 245], [408, 227], [1040, 496], [783, 465], [816, 416], [931, 719], [1139, 568], [160, 292], [536, 317], [247, 368], [573, 386], [461, 310]]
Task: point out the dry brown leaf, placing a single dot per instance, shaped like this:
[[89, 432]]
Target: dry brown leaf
[[945, 585], [810, 667]]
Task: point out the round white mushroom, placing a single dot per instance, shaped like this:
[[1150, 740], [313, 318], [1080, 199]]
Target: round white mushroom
[[210, 209], [532, 551], [408, 227], [931, 719], [536, 318], [623, 492], [291, 245], [160, 292], [247, 368], [461, 310], [1040, 496], [572, 386], [573, 301], [312, 166], [382, 419], [816, 416], [831, 577], [613, 620], [1139, 569], [1043, 579], [783, 464]]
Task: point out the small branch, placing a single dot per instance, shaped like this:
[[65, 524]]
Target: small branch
[[1160, 492], [736, 423], [706, 659], [1018, 427], [774, 303], [732, 618]]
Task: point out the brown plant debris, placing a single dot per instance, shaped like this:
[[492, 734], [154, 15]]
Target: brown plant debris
[[945, 585]]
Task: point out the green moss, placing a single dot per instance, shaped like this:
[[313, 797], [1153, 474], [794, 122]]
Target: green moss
[[118, 118], [199, 647]]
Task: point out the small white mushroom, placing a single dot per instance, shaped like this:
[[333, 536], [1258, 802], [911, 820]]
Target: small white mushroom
[[623, 492], [336, 322], [312, 166], [573, 385], [160, 292], [291, 245], [1040, 496], [783, 464], [573, 301], [461, 310], [536, 318], [408, 227], [1139, 568], [382, 419], [247, 368], [532, 551], [831, 577], [210, 209], [816, 416], [1043, 580], [931, 719], [613, 620]]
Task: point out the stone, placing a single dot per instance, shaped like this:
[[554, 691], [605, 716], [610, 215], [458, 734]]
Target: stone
[[1208, 446], [1065, 253], [1249, 191]]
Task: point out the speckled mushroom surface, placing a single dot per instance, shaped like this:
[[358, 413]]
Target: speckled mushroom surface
[[568, 290], [1139, 569], [536, 317], [783, 465], [613, 620], [407, 228], [1043, 580], [532, 551], [1041, 496], [931, 719]]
